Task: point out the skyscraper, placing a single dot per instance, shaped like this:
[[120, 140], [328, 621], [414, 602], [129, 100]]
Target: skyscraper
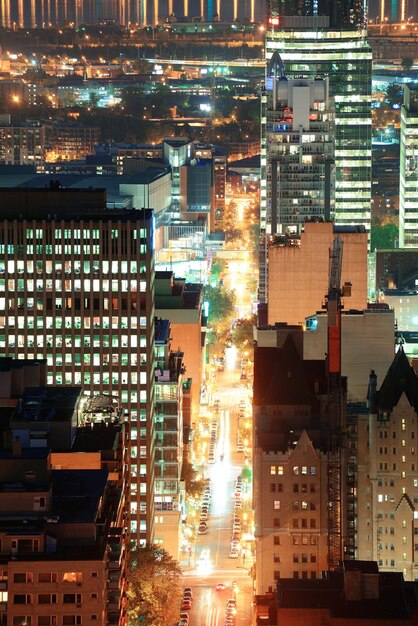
[[408, 191], [314, 40], [298, 140], [77, 288]]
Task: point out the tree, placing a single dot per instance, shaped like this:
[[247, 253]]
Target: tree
[[242, 336], [93, 100], [383, 236], [221, 303], [407, 63], [193, 487], [154, 592], [394, 94]]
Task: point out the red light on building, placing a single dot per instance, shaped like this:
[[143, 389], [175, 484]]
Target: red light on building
[[274, 21]]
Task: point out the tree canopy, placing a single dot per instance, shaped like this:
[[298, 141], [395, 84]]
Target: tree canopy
[[242, 336], [221, 303], [383, 236], [154, 592]]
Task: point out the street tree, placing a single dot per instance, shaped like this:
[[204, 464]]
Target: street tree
[[221, 303], [243, 337], [154, 592]]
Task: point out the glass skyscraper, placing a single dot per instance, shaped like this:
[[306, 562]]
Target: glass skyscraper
[[311, 39]]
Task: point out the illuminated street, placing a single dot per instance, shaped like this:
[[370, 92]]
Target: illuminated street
[[210, 561]]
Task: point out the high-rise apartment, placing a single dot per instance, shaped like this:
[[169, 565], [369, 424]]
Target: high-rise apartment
[[408, 190], [327, 40], [77, 288], [297, 137]]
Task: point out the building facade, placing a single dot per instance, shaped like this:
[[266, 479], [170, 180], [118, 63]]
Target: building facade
[[298, 274], [23, 144], [387, 471], [298, 140], [290, 464], [169, 491], [367, 340], [408, 195], [79, 292]]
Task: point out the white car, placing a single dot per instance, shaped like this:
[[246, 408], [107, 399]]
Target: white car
[[233, 554]]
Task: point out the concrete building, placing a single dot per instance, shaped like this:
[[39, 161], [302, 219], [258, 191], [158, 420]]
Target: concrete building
[[387, 484], [408, 195], [67, 142], [23, 144], [367, 341], [16, 375], [299, 270], [181, 303], [79, 291], [169, 491], [290, 464], [394, 269], [298, 143]]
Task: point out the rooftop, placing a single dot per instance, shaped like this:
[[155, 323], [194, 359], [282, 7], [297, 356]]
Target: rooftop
[[47, 404]]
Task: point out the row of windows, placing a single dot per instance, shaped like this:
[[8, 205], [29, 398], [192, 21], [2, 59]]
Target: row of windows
[[304, 575], [76, 379], [87, 302], [50, 577], [49, 620], [304, 558], [49, 598], [77, 322], [297, 523], [302, 488], [297, 470], [304, 539], [70, 249], [78, 233], [78, 341], [104, 267], [384, 449], [385, 467], [96, 285]]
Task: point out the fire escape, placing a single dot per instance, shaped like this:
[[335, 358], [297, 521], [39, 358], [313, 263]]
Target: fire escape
[[336, 409]]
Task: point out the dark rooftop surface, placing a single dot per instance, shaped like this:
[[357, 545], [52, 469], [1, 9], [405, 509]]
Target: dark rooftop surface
[[9, 363], [395, 600], [76, 494], [96, 437], [47, 404]]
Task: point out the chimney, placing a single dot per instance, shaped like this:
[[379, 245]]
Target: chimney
[[16, 447], [371, 392]]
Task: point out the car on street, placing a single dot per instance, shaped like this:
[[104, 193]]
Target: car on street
[[203, 529], [220, 587], [186, 604]]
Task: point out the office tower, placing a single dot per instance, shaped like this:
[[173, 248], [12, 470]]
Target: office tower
[[387, 484], [314, 41], [298, 274], [77, 288], [408, 190], [297, 137]]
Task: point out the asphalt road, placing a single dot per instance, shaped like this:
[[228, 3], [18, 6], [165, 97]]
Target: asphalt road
[[209, 562]]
